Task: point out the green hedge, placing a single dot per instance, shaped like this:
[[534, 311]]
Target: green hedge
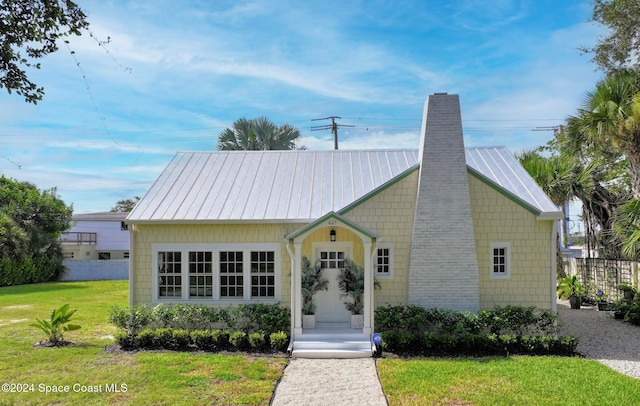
[[413, 330], [30, 270], [203, 340], [249, 318]]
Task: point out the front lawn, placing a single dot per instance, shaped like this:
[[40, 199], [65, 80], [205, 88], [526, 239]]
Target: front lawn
[[519, 380], [85, 374]]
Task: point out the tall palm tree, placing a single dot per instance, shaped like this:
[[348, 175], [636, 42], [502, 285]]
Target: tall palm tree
[[562, 178], [610, 118], [258, 134]]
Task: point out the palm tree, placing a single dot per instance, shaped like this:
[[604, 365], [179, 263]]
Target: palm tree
[[610, 118], [258, 134], [562, 178]]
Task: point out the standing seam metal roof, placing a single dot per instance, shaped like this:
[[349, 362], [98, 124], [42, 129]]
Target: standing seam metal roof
[[301, 185]]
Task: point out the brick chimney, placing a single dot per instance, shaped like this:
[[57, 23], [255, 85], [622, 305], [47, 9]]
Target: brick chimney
[[443, 267]]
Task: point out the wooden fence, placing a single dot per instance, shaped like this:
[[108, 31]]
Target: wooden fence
[[603, 274]]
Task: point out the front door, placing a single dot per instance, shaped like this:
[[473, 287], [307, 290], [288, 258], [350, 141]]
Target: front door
[[329, 305]]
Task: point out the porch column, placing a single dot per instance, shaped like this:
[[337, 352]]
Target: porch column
[[368, 289], [296, 307]]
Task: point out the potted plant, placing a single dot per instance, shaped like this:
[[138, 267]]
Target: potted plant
[[570, 288], [312, 282], [628, 291], [601, 301], [351, 284]]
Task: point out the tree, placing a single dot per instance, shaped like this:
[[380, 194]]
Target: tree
[[31, 222], [126, 205], [258, 134], [29, 30], [621, 47], [610, 119], [562, 178]]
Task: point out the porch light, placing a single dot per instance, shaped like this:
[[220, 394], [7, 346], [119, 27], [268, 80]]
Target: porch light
[[332, 235]]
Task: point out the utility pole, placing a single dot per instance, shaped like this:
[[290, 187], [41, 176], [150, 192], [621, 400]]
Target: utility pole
[[333, 127]]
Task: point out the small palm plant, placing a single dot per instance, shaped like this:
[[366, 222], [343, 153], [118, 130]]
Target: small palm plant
[[312, 283], [351, 284], [570, 288], [57, 324]]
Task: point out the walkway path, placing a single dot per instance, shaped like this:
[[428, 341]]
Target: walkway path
[[330, 382], [601, 337]]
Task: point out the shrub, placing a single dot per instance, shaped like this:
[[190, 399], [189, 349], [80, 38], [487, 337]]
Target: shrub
[[180, 339], [132, 319], [254, 317], [29, 270], [221, 339], [517, 320], [257, 341], [203, 340], [238, 340], [144, 339], [279, 341], [125, 340]]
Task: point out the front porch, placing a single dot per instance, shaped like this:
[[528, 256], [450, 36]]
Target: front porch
[[332, 242], [331, 340]]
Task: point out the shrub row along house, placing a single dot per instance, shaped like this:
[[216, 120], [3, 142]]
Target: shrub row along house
[[442, 226]]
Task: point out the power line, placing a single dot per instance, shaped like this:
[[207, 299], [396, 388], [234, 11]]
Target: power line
[[333, 127]]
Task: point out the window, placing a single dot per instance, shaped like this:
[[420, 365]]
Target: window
[[68, 255], [170, 274], [384, 261], [263, 274], [332, 259], [125, 255], [104, 255], [216, 273], [124, 226], [231, 278], [500, 260], [200, 274]]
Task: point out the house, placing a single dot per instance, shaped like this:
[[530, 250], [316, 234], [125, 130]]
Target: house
[[102, 236], [96, 247], [441, 226]]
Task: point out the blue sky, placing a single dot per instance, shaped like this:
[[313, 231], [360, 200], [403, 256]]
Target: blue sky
[[175, 74]]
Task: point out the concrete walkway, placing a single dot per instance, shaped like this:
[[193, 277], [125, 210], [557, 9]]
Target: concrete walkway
[[333, 382]]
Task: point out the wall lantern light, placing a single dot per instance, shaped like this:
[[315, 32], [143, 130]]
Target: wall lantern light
[[332, 235]]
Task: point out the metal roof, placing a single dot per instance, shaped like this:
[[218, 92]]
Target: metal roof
[[300, 185]]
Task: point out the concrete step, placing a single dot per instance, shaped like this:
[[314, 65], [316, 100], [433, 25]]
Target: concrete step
[[332, 345]]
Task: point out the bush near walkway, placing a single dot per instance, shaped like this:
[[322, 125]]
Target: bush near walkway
[[413, 330]]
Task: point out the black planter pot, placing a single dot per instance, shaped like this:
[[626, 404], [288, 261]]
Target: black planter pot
[[575, 301]]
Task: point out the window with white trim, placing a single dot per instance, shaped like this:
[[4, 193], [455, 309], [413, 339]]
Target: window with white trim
[[263, 267], [231, 278], [200, 274], [216, 273], [500, 257], [384, 261], [169, 274]]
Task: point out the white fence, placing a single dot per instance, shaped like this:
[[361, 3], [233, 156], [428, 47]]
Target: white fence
[[95, 270]]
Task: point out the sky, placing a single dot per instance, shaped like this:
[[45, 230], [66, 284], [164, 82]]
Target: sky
[[154, 77]]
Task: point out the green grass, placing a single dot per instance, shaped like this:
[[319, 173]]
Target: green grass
[[159, 378], [517, 380]]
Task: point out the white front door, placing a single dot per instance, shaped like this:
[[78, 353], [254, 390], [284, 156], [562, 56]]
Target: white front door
[[329, 305]]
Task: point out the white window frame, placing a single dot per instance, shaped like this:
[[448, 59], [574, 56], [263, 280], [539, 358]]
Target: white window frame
[[507, 248], [215, 250], [382, 275]]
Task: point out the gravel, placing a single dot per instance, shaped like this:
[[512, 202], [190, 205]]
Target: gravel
[[602, 338]]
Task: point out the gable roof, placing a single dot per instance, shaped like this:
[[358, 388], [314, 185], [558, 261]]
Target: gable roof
[[302, 186]]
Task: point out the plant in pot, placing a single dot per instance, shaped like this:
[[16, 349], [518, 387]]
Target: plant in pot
[[570, 288], [351, 284], [312, 282], [601, 301], [628, 291]]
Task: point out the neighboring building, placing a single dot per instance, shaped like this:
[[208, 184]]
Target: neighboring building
[[439, 227], [97, 236]]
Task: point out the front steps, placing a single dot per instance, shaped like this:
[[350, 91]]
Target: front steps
[[332, 343]]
